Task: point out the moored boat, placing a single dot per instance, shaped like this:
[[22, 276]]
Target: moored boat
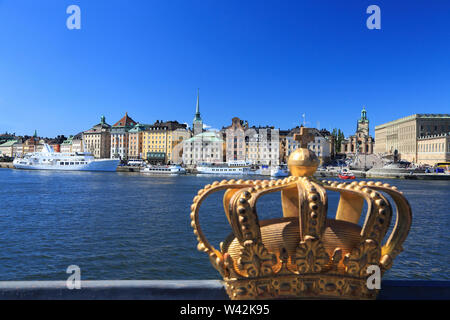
[[231, 168], [346, 174], [169, 169], [48, 159]]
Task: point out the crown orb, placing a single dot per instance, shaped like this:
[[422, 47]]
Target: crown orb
[[303, 162]]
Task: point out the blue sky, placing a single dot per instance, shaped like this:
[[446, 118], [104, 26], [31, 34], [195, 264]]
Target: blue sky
[[267, 62]]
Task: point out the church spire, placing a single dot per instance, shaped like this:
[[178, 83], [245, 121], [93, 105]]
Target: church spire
[[197, 125], [363, 114], [197, 108]]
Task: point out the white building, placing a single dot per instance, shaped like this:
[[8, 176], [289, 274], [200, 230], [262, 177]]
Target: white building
[[258, 145], [206, 147], [262, 145], [66, 146]]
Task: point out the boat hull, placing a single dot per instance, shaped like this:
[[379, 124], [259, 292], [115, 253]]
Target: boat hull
[[346, 177], [106, 165], [223, 171]]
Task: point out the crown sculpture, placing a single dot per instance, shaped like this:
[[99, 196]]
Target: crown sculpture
[[304, 254]]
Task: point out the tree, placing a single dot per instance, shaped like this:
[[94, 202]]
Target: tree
[[338, 137]]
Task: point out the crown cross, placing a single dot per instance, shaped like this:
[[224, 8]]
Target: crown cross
[[304, 137]]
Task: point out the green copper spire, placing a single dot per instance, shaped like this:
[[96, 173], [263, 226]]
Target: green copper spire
[[35, 133], [197, 108], [363, 114]]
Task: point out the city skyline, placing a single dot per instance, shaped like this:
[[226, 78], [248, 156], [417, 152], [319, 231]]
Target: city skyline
[[267, 63]]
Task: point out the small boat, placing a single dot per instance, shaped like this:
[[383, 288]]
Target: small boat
[[345, 174], [48, 159], [230, 168], [169, 169], [279, 171]]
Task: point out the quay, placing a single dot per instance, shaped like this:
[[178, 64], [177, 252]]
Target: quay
[[186, 290], [379, 174], [128, 169], [5, 165]]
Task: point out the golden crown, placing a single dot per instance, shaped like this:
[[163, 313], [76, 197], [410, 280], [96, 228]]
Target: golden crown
[[304, 254]]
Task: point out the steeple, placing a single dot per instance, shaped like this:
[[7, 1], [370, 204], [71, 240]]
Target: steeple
[[197, 124], [197, 108], [35, 133], [363, 114], [363, 123]]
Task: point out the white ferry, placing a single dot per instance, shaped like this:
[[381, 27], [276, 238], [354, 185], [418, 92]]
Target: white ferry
[[51, 160], [229, 168], [172, 169]]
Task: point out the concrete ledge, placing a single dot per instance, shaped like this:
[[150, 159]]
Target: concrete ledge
[[185, 290]]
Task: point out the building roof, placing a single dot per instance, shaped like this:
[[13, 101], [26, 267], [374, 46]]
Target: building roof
[[8, 143], [139, 127], [68, 140], [126, 121], [97, 128], [431, 116]]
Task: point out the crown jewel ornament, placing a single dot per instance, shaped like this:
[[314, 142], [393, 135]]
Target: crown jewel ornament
[[304, 254]]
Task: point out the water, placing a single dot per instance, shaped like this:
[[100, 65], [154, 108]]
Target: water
[[131, 226]]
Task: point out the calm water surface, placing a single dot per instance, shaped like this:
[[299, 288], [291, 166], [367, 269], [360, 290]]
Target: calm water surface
[[130, 226]]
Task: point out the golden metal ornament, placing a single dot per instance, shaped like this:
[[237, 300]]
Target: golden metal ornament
[[304, 254]]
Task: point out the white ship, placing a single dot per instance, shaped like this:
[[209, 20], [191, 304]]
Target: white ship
[[173, 169], [230, 168], [76, 161]]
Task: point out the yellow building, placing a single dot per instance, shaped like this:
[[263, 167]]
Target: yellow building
[[136, 141], [160, 139], [402, 135], [433, 149]]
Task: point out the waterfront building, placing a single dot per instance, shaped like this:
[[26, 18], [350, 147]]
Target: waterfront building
[[77, 143], [361, 141], [56, 143], [259, 145], [206, 147], [177, 138], [197, 124], [262, 145], [402, 135], [33, 144], [136, 137], [66, 146], [17, 148], [120, 137], [160, 138], [235, 140], [321, 145], [7, 148], [433, 149], [97, 140], [283, 134], [7, 137]]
